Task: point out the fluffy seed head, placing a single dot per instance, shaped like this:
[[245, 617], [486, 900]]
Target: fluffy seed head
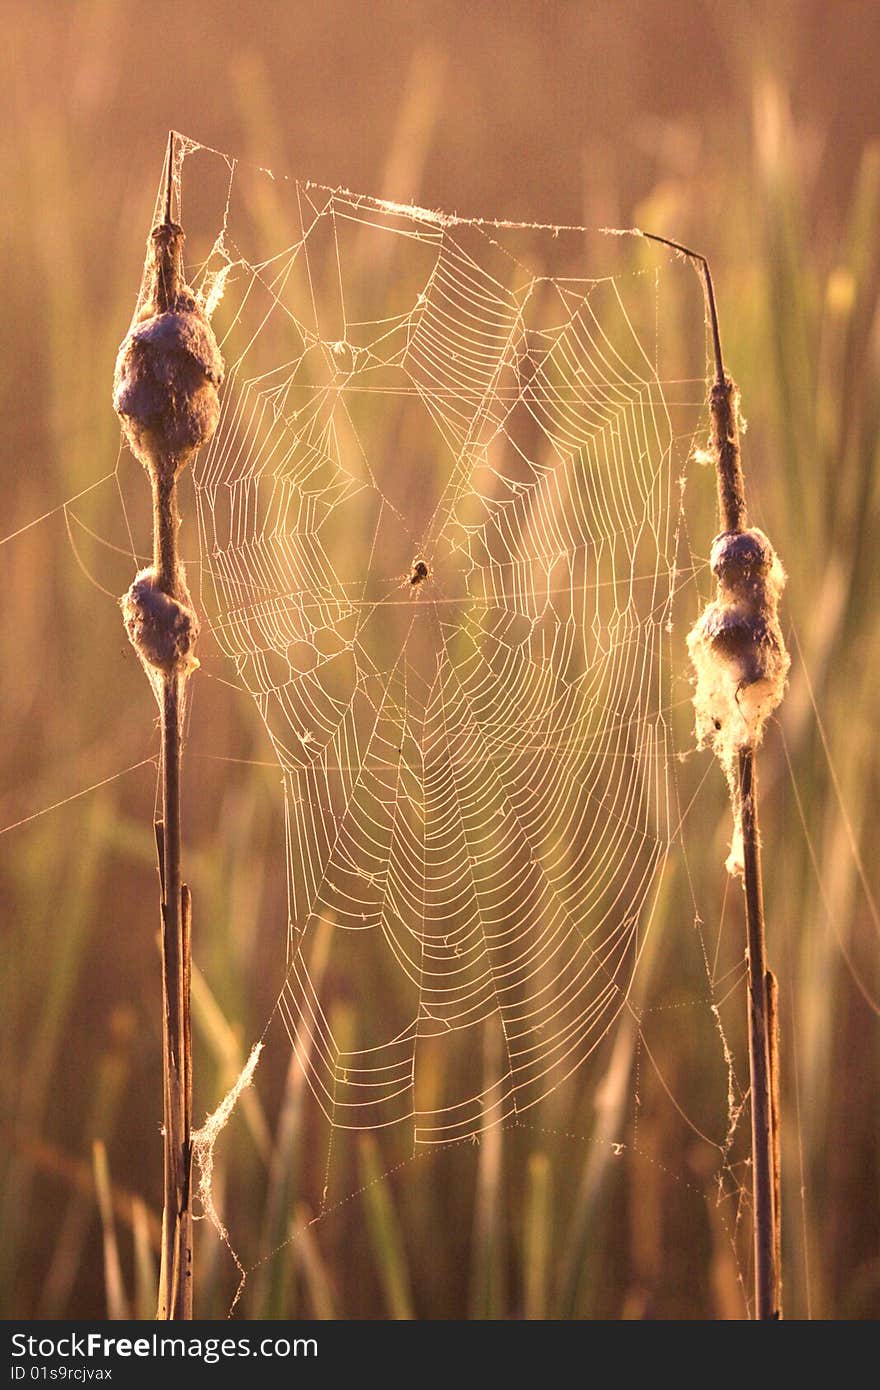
[[162, 629], [169, 368], [738, 651]]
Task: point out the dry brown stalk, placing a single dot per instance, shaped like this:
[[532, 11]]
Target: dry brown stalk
[[166, 394], [741, 631]]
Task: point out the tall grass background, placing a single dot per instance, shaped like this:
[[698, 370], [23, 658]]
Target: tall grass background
[[753, 142]]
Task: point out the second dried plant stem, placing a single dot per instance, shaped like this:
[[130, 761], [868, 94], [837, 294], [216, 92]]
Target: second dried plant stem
[[176, 1273], [175, 1291], [763, 1051], [732, 511]]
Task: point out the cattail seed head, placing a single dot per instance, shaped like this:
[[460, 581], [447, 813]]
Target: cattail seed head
[[169, 368], [740, 638], [739, 657], [163, 630], [736, 645], [741, 559]]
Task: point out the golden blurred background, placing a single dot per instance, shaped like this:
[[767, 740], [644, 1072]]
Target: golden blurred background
[[749, 131]]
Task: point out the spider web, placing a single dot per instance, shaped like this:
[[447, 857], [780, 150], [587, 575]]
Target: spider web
[[475, 752]]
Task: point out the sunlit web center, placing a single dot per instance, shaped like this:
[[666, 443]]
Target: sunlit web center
[[475, 765]]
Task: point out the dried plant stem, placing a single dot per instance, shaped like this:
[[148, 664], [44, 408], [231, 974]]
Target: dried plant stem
[[766, 1280], [176, 1266], [773, 1041], [166, 521], [175, 1274], [732, 508], [166, 385], [723, 407]]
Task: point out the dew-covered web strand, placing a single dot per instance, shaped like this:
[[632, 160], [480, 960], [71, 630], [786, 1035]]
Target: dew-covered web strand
[[75, 796]]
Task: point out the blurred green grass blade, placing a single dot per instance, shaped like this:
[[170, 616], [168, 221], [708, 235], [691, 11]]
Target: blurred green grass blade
[[861, 247], [384, 1229], [791, 300], [599, 1169], [318, 1282], [68, 946], [117, 1303], [417, 118], [211, 1257], [225, 1047], [487, 1295], [51, 992], [276, 1291], [537, 1236], [610, 1101], [146, 1273], [860, 400], [114, 1067], [275, 1295]]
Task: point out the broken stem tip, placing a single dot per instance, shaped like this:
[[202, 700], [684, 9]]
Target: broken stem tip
[[169, 176]]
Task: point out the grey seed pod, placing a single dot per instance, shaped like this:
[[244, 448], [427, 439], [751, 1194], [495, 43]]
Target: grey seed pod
[[737, 647], [741, 555], [162, 630], [169, 368], [743, 638]]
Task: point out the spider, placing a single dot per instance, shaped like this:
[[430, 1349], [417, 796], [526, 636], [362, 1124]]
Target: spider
[[419, 573]]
